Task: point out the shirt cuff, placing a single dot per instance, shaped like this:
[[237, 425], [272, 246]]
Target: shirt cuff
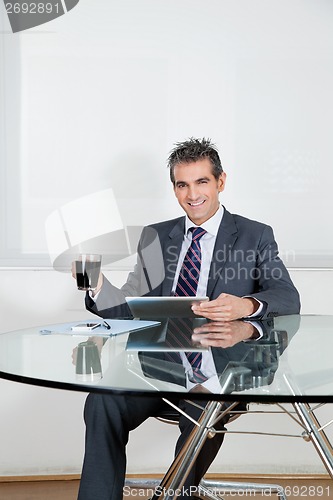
[[258, 311], [259, 334]]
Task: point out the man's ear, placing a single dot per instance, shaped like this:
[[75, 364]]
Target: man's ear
[[221, 182]]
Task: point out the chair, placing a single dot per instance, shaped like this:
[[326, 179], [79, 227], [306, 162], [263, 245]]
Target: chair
[[209, 489]]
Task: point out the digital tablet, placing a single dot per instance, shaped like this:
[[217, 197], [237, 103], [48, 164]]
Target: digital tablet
[[162, 307]]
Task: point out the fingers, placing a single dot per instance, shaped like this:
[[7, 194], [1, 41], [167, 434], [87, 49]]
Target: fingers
[[218, 314], [211, 304], [214, 340], [214, 327], [99, 285], [73, 270], [221, 305], [215, 334], [224, 308]]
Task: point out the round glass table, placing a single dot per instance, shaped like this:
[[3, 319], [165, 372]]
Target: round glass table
[[286, 359]]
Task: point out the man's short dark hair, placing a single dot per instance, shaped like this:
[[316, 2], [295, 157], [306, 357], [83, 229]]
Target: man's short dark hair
[[193, 150]]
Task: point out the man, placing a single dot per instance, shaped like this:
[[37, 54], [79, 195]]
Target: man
[[235, 263]]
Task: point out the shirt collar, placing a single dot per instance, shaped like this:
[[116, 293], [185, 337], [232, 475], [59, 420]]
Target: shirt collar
[[211, 225]]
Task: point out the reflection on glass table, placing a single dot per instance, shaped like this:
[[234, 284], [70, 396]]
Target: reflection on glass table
[[282, 360]]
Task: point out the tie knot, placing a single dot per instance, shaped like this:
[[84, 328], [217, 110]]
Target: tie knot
[[197, 233]]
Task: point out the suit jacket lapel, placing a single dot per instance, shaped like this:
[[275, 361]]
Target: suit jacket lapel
[[171, 253], [225, 240]]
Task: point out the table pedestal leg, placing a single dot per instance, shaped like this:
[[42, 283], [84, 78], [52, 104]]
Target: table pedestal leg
[[181, 466], [316, 435]]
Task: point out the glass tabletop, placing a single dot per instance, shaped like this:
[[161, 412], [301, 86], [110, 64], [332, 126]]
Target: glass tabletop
[[285, 359]]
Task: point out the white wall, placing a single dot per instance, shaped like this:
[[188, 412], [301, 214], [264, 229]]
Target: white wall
[[101, 94], [97, 98], [42, 430]]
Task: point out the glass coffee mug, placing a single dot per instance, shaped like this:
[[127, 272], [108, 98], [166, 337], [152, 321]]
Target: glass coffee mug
[[88, 362], [87, 269]]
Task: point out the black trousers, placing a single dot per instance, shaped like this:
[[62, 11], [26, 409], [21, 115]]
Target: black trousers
[[109, 419]]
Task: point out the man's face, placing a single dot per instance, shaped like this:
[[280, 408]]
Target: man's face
[[197, 190]]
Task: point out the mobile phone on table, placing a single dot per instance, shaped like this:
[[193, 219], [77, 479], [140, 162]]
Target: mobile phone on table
[[85, 327]]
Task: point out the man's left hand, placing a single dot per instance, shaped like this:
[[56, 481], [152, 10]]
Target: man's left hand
[[226, 308]]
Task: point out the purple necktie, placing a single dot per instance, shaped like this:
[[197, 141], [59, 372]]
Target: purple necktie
[[190, 271], [188, 283]]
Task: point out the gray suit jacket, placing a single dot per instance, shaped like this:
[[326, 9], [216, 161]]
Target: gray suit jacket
[[245, 262]]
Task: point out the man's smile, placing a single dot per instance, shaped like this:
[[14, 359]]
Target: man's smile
[[196, 203]]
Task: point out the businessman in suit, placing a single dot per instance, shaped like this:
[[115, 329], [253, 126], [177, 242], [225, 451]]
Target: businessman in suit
[[239, 270]]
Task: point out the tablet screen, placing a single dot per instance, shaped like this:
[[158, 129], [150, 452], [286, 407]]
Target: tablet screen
[[162, 307]]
